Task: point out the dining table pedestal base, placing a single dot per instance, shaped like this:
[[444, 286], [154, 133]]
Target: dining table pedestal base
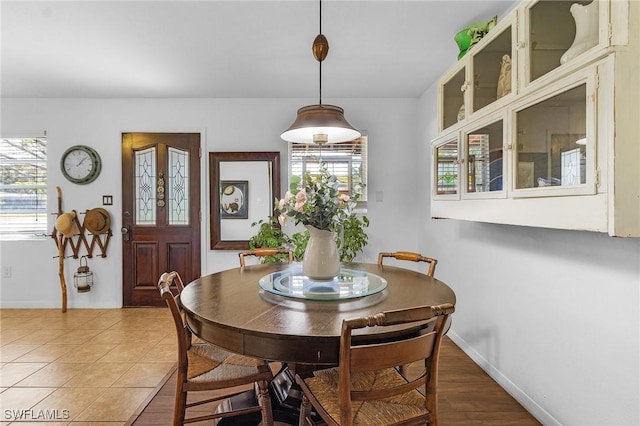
[[286, 397]]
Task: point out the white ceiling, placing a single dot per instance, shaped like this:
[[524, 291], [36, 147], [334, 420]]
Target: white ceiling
[[229, 49]]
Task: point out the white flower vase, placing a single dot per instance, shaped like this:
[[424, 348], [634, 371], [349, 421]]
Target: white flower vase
[[321, 260], [586, 18]]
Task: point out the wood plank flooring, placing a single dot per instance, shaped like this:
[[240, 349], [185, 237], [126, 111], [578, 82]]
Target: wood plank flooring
[[468, 396]]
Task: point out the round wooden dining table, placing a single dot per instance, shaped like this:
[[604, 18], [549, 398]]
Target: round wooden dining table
[[231, 310]]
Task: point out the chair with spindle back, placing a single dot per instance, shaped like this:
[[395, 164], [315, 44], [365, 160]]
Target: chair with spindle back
[[413, 257], [205, 367], [367, 388]]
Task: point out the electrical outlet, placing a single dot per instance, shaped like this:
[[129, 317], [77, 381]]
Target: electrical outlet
[[6, 272]]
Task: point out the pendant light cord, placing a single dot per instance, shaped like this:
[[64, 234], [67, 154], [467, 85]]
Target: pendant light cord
[[320, 62], [320, 65], [320, 82]]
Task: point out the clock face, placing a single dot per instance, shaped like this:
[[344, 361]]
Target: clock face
[[81, 164]]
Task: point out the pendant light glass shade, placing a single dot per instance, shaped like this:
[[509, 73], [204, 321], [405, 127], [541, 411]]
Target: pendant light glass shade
[[320, 124]]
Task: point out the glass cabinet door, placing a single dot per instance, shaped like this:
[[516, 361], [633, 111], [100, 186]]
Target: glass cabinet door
[[452, 94], [559, 31], [484, 159], [492, 68], [555, 147], [446, 168]]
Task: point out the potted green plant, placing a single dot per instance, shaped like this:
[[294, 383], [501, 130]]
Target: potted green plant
[[351, 241], [270, 235]]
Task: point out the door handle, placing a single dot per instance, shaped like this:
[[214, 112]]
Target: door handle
[[126, 233]]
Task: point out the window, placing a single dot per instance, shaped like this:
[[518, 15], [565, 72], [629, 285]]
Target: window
[[23, 187], [347, 161]]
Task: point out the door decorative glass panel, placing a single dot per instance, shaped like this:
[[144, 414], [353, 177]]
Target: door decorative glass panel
[[572, 167], [145, 170], [178, 188]]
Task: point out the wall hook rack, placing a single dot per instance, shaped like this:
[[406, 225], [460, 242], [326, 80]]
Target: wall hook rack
[[78, 241]]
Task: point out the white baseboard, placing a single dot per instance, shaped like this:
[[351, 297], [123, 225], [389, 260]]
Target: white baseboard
[[45, 304], [529, 404]]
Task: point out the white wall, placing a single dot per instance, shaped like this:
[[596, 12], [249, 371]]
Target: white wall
[[227, 125], [551, 315]]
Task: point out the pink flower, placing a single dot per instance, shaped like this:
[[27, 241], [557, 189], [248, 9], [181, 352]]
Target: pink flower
[[281, 219], [316, 201]]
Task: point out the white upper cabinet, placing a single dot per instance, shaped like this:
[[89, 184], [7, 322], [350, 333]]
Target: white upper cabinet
[[482, 77], [539, 121], [557, 37]]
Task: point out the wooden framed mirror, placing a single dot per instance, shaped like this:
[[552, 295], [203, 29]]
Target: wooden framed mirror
[[243, 187]]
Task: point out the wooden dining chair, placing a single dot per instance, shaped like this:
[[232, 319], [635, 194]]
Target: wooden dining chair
[[206, 367], [411, 256], [263, 252], [366, 388]]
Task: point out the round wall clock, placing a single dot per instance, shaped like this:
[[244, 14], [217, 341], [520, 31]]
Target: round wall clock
[[81, 164]]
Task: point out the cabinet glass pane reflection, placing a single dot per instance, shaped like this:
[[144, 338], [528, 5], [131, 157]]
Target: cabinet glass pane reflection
[[551, 31], [551, 141], [453, 99], [484, 158], [447, 168], [492, 70]]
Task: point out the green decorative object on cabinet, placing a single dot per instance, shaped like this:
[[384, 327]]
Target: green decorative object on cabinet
[[472, 34]]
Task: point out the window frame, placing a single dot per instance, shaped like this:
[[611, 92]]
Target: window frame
[[315, 153], [35, 215]]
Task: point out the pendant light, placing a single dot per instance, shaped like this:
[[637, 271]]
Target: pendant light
[[321, 123]]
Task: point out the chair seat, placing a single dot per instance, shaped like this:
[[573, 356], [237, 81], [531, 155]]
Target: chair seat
[[209, 363], [388, 411]]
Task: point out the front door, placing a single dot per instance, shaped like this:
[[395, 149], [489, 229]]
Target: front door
[[160, 212]]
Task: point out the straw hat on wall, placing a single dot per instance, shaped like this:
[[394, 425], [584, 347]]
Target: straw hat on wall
[[66, 225], [97, 221]]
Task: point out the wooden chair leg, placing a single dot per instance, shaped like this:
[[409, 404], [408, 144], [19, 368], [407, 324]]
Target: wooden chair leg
[[179, 407], [265, 403], [305, 411]]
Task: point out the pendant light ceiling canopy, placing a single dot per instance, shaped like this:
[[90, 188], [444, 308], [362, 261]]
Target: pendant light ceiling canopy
[[320, 123]]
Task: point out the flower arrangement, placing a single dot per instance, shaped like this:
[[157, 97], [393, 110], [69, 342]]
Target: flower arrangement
[[316, 201]]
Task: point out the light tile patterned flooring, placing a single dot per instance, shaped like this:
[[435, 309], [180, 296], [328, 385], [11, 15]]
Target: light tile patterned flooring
[[83, 367]]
